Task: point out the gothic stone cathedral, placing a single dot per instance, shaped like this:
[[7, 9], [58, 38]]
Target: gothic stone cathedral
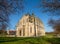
[[30, 26]]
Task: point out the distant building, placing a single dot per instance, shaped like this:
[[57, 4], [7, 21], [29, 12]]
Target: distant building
[[11, 32], [29, 26]]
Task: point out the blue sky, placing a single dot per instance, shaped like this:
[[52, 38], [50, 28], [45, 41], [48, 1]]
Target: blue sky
[[30, 7]]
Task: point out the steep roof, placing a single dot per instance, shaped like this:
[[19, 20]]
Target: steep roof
[[31, 15]]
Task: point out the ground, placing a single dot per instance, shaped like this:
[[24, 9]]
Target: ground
[[29, 40]]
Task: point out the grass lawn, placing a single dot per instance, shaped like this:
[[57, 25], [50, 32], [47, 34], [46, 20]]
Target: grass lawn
[[29, 40]]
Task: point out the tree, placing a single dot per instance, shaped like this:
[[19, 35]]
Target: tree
[[6, 8], [55, 24], [52, 6]]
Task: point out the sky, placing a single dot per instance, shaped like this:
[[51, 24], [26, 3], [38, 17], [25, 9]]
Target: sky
[[30, 7]]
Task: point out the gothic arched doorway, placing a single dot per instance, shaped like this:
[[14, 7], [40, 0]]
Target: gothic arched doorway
[[20, 32]]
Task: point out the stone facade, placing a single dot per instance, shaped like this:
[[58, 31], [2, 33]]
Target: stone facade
[[29, 26]]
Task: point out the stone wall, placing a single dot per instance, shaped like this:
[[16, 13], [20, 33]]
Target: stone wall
[[25, 28]]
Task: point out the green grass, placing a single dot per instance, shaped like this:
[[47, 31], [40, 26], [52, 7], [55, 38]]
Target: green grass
[[49, 35], [29, 40]]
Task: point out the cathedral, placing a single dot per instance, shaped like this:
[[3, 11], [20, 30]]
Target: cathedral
[[30, 26]]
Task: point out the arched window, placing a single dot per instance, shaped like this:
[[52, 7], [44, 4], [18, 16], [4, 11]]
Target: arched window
[[23, 30], [20, 32], [30, 29]]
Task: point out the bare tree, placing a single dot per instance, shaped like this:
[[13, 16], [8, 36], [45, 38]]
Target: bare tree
[[6, 8], [55, 24], [52, 6]]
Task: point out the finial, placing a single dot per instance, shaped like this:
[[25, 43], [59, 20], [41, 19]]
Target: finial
[[33, 14]]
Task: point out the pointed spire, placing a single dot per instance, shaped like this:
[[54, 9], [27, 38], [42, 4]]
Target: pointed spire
[[32, 14], [27, 14]]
